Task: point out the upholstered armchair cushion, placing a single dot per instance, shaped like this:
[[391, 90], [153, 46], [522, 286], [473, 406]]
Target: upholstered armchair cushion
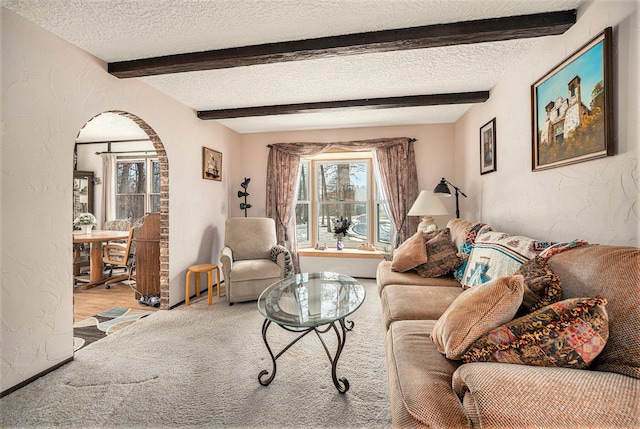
[[250, 237]]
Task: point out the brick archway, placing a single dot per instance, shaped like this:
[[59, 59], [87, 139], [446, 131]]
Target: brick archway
[[164, 203]]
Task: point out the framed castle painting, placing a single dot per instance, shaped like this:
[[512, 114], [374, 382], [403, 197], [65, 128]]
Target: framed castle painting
[[211, 164], [572, 108]]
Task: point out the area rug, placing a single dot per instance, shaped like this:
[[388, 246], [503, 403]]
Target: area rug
[[197, 367], [96, 327]]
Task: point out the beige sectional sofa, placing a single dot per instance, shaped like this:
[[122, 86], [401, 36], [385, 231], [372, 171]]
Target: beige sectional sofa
[[428, 390]]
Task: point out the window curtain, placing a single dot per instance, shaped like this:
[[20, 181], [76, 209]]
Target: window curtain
[[397, 169], [400, 186], [109, 186]]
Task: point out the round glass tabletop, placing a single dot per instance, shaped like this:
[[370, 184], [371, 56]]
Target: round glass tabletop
[[311, 299]]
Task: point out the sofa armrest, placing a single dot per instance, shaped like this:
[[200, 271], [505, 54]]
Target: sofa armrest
[[505, 395]]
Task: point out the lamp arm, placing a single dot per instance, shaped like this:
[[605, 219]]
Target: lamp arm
[[458, 190]]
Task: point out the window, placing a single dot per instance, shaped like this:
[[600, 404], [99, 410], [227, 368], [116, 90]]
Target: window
[[303, 205], [335, 185], [135, 195], [558, 132]]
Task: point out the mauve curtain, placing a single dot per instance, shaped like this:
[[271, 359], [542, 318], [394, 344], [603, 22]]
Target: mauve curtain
[[397, 169], [400, 185]]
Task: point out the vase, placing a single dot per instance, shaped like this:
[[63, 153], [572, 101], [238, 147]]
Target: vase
[[339, 244], [86, 229]]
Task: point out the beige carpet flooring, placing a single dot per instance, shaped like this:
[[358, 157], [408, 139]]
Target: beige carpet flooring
[[198, 366]]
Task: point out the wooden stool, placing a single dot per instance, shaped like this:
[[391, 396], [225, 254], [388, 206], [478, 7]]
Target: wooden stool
[[201, 268]]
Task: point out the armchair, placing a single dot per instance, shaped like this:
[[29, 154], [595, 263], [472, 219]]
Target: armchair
[[247, 264]]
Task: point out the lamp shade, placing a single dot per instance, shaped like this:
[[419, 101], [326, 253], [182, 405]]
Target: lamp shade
[[427, 204], [442, 189]]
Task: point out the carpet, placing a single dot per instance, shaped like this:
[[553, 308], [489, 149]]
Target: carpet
[[198, 366], [94, 328]]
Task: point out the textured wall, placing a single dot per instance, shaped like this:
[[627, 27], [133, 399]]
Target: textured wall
[[49, 90], [598, 200]]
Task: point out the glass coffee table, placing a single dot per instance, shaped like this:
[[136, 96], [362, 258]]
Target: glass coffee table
[[311, 302]]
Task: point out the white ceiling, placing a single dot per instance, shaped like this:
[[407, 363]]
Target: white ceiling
[[118, 30]]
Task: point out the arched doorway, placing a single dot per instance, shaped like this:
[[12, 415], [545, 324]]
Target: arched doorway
[[164, 195]]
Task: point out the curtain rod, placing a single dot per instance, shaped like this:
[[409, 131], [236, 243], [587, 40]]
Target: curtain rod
[[116, 141], [411, 140], [127, 151]]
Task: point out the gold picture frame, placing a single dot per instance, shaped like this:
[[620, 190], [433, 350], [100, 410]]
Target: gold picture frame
[[572, 107], [211, 164]]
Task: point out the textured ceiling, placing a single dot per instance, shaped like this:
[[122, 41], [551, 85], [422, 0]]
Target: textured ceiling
[[118, 30]]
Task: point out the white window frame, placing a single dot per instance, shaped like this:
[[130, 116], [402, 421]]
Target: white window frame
[[149, 161], [313, 205]]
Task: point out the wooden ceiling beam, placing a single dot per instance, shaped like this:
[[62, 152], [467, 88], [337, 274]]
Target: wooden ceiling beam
[[430, 36], [368, 103]]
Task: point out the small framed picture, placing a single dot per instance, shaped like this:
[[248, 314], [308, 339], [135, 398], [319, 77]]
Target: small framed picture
[[211, 164], [572, 108], [488, 147]]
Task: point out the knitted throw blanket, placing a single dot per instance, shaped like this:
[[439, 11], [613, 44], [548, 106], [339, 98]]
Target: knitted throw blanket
[[288, 263]]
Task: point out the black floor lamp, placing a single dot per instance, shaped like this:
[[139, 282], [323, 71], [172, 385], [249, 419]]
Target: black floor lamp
[[443, 189]]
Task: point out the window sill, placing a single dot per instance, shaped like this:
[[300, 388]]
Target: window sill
[[345, 253]]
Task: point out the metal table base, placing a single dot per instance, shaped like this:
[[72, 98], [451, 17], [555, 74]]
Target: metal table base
[[342, 384]]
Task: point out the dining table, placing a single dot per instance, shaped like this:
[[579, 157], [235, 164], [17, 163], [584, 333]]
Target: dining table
[[95, 238]]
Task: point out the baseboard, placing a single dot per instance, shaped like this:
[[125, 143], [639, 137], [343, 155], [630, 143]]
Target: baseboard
[[193, 296], [34, 378]]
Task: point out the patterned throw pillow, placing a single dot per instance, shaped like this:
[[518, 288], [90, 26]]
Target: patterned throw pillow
[[475, 312], [541, 286], [467, 246], [496, 254], [569, 333], [442, 256], [410, 254]]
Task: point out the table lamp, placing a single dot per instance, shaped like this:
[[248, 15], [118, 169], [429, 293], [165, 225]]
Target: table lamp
[[427, 205]]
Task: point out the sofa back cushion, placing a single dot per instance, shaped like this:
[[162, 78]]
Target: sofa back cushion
[[459, 228], [614, 273]]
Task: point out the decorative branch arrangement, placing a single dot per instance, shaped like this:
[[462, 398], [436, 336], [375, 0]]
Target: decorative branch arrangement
[[244, 206]]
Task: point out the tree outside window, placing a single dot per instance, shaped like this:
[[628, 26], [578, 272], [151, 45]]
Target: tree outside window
[[135, 195], [329, 189]]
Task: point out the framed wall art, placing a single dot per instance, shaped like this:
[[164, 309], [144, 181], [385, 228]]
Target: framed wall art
[[488, 147], [572, 108], [211, 164]]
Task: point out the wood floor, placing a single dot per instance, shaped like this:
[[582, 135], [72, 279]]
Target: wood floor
[[89, 302]]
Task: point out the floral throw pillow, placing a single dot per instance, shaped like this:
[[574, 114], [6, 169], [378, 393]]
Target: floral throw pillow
[[569, 333], [442, 257]]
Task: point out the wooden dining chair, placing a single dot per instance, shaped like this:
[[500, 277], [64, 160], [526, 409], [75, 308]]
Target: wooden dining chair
[[120, 256], [117, 225]]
